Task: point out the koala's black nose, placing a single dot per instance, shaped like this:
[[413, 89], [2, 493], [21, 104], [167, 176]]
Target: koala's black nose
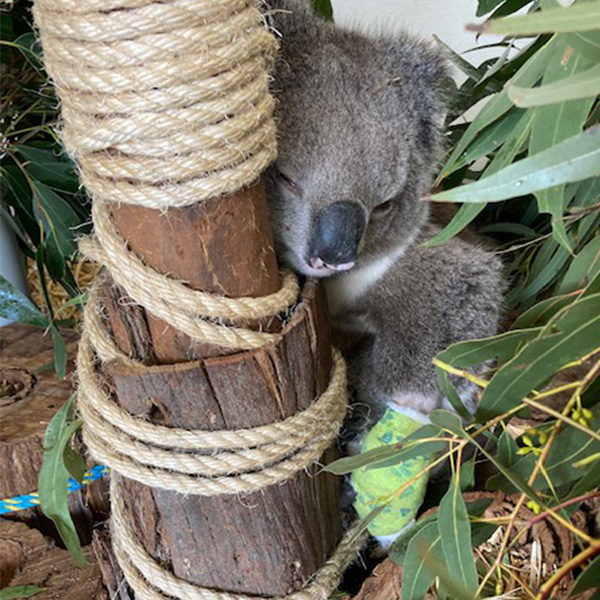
[[336, 235]]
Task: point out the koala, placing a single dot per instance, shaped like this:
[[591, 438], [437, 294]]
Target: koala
[[360, 128]]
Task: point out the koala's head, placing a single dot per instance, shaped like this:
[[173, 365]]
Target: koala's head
[[359, 129]]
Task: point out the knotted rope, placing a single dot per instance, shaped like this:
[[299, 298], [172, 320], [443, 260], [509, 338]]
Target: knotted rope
[[166, 104]]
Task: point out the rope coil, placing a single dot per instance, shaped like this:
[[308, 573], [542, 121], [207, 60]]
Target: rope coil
[[166, 104], [241, 461]]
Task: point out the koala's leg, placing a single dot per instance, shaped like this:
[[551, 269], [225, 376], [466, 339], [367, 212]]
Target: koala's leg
[[428, 300]]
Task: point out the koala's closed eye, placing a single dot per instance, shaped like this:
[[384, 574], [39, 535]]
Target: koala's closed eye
[[383, 209], [288, 182]]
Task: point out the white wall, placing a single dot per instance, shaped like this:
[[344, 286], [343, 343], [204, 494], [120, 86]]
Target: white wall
[[444, 18]]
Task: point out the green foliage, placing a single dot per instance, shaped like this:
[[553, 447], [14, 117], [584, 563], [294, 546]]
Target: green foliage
[[20, 591], [41, 196], [579, 17], [59, 462], [574, 159], [537, 136], [324, 9], [526, 170], [455, 535], [17, 307], [590, 577]]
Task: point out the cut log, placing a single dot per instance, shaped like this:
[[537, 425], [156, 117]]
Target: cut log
[[28, 558], [222, 247], [31, 396], [267, 543], [114, 580]]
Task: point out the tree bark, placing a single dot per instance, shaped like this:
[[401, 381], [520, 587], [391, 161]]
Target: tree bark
[[27, 558], [31, 395], [272, 541]]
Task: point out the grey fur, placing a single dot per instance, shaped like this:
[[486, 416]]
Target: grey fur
[[359, 120]]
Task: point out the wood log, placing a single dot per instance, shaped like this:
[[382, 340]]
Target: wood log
[[267, 543], [222, 247], [28, 558], [31, 395], [113, 577], [385, 583]]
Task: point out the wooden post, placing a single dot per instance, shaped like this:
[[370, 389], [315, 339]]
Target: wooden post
[[266, 543], [167, 103]]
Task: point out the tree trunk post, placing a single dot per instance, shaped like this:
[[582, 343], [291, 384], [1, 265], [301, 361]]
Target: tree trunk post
[[269, 542]]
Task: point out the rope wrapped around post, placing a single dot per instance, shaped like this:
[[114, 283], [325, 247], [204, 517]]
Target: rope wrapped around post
[[167, 104]]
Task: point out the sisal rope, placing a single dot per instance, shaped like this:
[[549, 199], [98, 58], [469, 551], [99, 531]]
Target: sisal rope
[[166, 104]]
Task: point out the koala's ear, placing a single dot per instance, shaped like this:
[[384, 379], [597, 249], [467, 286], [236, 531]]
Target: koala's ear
[[424, 84]]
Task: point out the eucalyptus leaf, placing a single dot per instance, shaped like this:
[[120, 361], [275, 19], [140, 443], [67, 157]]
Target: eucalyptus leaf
[[578, 17], [486, 6], [517, 135], [20, 591], [586, 43], [549, 263], [542, 312], [447, 420], [571, 334], [52, 170], [408, 453], [59, 218], [60, 353], [516, 480], [593, 287], [498, 105], [391, 454], [465, 215], [54, 477], [589, 578], [418, 573], [583, 269], [475, 352], [555, 123], [467, 474], [424, 562], [490, 139], [571, 446], [398, 549], [452, 395], [455, 534], [507, 450], [589, 480], [509, 7], [481, 532], [324, 9], [583, 85], [74, 463], [29, 45], [15, 306], [343, 466], [573, 159], [514, 228]]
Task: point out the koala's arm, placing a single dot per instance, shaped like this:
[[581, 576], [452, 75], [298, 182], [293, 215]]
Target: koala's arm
[[431, 298]]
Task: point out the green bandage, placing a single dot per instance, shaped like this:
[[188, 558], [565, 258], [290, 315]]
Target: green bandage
[[374, 487]]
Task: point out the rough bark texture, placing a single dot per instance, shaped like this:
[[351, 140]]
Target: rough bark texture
[[222, 246], [28, 558], [265, 543], [112, 575], [31, 394]]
